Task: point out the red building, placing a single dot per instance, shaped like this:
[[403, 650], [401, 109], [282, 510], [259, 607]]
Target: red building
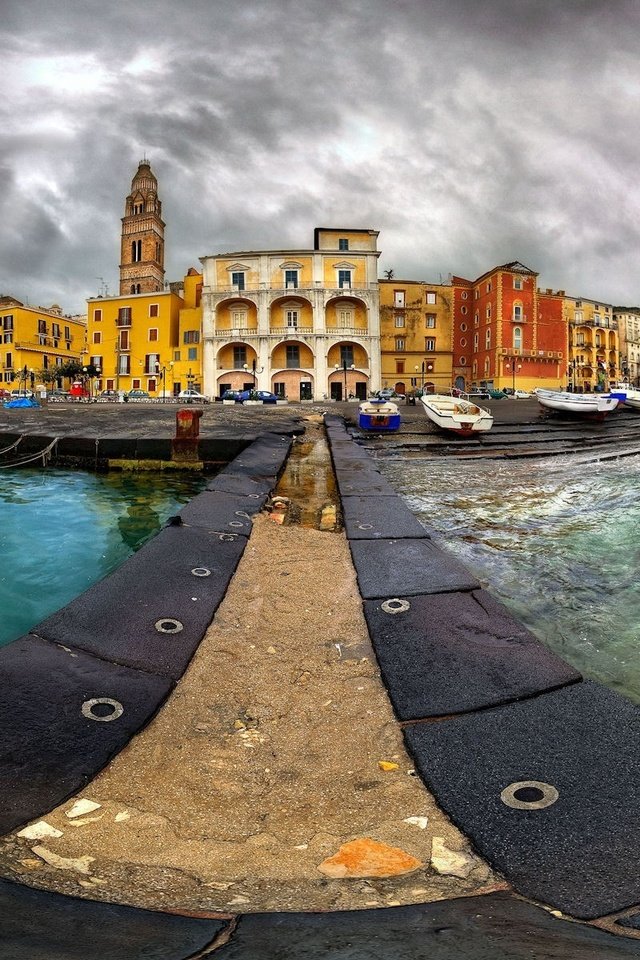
[[507, 333]]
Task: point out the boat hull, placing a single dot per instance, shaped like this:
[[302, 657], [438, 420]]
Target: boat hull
[[383, 417], [582, 404], [456, 415]]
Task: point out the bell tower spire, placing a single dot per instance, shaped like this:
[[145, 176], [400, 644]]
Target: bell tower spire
[[142, 245]]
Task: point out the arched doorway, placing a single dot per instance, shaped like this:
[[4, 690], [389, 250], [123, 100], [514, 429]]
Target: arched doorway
[[400, 387]]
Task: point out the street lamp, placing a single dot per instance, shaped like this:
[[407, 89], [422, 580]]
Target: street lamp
[[32, 379], [345, 367], [513, 372], [254, 371]]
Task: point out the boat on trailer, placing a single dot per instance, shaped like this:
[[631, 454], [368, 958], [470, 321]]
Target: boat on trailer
[[456, 414], [583, 404], [378, 414]]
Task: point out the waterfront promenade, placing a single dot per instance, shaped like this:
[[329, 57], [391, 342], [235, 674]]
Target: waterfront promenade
[[275, 780]]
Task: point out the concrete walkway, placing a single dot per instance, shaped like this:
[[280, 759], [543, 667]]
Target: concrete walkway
[[275, 777]]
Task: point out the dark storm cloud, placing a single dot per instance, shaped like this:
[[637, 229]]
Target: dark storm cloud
[[469, 134]]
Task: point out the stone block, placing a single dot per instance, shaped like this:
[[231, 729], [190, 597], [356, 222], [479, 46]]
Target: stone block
[[403, 568]]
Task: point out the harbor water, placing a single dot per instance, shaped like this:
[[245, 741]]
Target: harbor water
[[62, 530], [556, 540]]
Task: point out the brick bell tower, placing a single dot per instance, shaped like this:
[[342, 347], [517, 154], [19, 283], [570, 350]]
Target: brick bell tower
[[142, 246]]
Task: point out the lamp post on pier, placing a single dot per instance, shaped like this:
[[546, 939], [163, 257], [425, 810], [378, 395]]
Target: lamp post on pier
[[254, 372], [345, 366]]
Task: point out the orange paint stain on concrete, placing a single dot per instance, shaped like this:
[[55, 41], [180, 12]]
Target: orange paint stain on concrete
[[368, 858]]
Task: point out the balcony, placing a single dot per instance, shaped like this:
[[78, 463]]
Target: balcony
[[290, 331], [236, 333], [529, 354]]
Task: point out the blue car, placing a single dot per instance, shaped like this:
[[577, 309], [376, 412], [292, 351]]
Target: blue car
[[263, 395], [232, 395]]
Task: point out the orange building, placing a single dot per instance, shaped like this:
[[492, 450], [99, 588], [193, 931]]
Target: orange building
[[507, 334]]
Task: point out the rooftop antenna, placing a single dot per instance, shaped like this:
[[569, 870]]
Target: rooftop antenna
[[102, 286]]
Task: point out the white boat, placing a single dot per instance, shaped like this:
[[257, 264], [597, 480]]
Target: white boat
[[598, 404], [625, 393], [456, 414], [378, 414]]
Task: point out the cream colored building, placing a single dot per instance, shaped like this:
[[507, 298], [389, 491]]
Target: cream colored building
[[594, 355], [304, 324], [629, 332]]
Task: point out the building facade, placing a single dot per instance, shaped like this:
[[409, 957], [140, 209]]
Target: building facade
[[416, 335], [142, 241], [594, 351], [304, 324], [628, 321], [506, 332], [35, 341]]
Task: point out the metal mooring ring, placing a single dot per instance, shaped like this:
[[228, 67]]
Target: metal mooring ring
[[201, 572], [227, 536], [168, 625], [529, 795], [235, 523], [396, 606], [365, 526], [88, 705]]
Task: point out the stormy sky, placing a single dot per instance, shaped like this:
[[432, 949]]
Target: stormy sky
[[469, 133]]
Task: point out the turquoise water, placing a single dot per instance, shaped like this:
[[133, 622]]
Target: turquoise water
[[558, 541], [63, 530]]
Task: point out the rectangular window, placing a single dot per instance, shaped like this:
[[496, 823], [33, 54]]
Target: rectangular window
[[9, 362], [176, 357], [67, 333], [344, 278], [55, 330], [124, 364], [429, 344], [431, 297], [517, 283], [343, 243], [97, 336], [292, 318], [42, 326], [152, 363], [97, 315], [7, 323], [124, 339], [489, 287], [96, 362], [136, 383], [431, 321], [399, 319], [153, 334], [346, 354], [293, 355], [399, 343], [192, 353], [399, 366], [124, 317], [153, 310], [191, 336], [488, 313], [291, 279], [345, 318], [280, 389], [237, 280], [239, 319], [239, 357], [8, 337], [398, 298]]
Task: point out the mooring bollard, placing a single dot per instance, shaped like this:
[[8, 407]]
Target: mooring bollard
[[185, 443]]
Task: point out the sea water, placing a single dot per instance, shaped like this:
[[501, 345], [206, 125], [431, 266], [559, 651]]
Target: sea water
[[556, 540], [62, 530]]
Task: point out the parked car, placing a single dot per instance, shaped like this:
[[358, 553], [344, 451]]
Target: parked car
[[521, 395], [388, 394], [111, 395], [192, 396], [58, 394], [138, 395], [479, 395], [263, 395], [21, 393], [5, 395], [497, 394], [232, 395]]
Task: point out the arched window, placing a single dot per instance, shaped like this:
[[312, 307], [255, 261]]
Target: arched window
[[487, 339], [517, 338], [517, 312]]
